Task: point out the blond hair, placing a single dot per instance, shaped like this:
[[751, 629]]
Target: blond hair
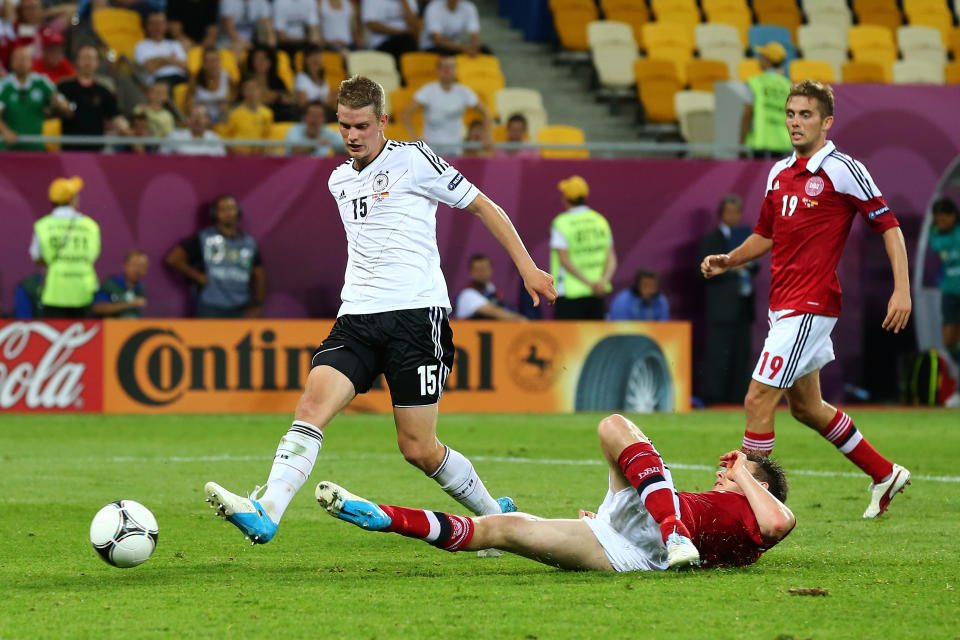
[[358, 92]]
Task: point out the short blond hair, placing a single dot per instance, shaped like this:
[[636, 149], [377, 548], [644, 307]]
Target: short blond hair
[[358, 92], [822, 93]]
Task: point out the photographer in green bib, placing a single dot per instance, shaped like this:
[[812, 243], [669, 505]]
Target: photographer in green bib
[[762, 125], [67, 243], [582, 259]]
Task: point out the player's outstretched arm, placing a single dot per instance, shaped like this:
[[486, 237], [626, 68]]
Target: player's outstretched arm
[[899, 307], [751, 249], [537, 282], [774, 518]]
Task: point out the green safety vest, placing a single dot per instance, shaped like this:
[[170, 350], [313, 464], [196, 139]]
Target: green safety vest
[[590, 241], [69, 247], [769, 132]]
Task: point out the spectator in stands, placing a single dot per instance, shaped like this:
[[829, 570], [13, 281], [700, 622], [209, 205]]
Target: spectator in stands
[[93, 107], [340, 25], [53, 63], [160, 119], [481, 300], [393, 25], [641, 301], [66, 243], [251, 120], [478, 132], [139, 128], [123, 295], [24, 100], [26, 297], [224, 264], [451, 27], [193, 23], [297, 24], [198, 123], [443, 102], [761, 126], [211, 87], [945, 242], [312, 136], [311, 84], [31, 24], [165, 60], [262, 68], [582, 258], [517, 133], [729, 311], [246, 22]]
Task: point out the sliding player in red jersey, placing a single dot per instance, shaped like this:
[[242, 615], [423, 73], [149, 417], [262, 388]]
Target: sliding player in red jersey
[[811, 200], [644, 524]]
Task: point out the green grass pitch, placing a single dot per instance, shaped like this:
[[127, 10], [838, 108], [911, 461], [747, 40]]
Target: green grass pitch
[[894, 577]]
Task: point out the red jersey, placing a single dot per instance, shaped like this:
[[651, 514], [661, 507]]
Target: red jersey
[[722, 527], [808, 209], [56, 74]]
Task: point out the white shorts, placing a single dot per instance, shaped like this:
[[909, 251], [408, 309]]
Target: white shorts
[[628, 534], [796, 344]]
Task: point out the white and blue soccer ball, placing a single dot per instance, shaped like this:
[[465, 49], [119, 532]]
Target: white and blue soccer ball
[[124, 533]]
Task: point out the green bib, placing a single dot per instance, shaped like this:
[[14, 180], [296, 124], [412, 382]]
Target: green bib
[[769, 132], [589, 239], [69, 247]]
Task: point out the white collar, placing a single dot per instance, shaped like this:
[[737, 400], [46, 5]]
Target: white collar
[[65, 211], [813, 164]]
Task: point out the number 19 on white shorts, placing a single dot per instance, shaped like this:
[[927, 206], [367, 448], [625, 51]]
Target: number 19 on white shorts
[[796, 344]]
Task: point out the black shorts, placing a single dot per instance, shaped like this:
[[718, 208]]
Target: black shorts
[[412, 348], [950, 308]]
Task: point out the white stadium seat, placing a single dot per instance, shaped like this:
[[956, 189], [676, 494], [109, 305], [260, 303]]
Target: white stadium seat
[[921, 43], [918, 72]]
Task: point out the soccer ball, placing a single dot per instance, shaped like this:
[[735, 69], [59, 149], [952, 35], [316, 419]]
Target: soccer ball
[[124, 533]]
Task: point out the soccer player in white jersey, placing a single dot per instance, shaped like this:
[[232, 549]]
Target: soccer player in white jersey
[[393, 319], [811, 201]]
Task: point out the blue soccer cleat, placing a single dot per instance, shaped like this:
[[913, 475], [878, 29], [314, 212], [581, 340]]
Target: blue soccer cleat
[[507, 505], [245, 514], [342, 504]]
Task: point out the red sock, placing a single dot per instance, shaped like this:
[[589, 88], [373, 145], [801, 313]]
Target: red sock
[[646, 472], [851, 443], [762, 443], [442, 530]]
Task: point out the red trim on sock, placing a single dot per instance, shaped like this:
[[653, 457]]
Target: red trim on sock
[[641, 464], [759, 442]]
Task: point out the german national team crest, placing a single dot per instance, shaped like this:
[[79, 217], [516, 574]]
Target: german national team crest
[[814, 186], [380, 182]]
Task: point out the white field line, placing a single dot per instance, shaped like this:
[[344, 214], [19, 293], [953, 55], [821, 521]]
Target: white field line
[[501, 459]]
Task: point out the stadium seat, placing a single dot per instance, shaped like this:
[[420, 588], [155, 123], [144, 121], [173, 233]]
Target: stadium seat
[[120, 29], [635, 16], [571, 26], [562, 134], [878, 12], [486, 88], [761, 34], [285, 69], [563, 5], [227, 60], [780, 12], [951, 73], [923, 5], [606, 32], [867, 73], [703, 73], [872, 43], [921, 43], [418, 67], [747, 68], [179, 97], [614, 65], [278, 131], [657, 81], [483, 64], [529, 102], [333, 69], [720, 42], [695, 111], [399, 99], [918, 72], [364, 62], [674, 42], [683, 12], [52, 127], [741, 19], [939, 19], [824, 42], [828, 12], [724, 5], [801, 69]]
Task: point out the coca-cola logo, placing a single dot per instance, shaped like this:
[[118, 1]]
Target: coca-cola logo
[[51, 366]]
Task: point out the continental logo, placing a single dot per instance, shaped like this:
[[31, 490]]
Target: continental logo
[[156, 366]]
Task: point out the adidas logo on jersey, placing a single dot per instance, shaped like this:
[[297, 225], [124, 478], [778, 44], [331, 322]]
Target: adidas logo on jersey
[[343, 194]]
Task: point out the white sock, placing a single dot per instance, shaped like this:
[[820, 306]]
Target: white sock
[[456, 476], [292, 465]]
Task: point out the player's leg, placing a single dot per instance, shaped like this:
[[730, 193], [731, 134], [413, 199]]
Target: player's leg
[[634, 462], [808, 406], [568, 544], [760, 407]]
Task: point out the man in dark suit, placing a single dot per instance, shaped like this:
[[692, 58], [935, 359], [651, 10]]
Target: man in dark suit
[[729, 311]]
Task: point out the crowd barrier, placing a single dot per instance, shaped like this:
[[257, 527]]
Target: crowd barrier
[[259, 366]]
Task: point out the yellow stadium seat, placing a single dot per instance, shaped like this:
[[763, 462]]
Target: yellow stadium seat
[[285, 68], [333, 69], [227, 60], [419, 65], [867, 73], [951, 72], [563, 5], [812, 70], [941, 20], [669, 6], [785, 13], [562, 134], [674, 42], [687, 17], [120, 29], [724, 5], [635, 17], [748, 68], [953, 43], [179, 96], [703, 73], [739, 18], [881, 12], [395, 131], [571, 25], [52, 127], [923, 5], [278, 131], [872, 43], [399, 99], [486, 89], [499, 133], [657, 82], [484, 65], [618, 5]]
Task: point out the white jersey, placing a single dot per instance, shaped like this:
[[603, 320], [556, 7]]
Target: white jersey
[[389, 213]]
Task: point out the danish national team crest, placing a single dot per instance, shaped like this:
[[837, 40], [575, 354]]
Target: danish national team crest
[[814, 186]]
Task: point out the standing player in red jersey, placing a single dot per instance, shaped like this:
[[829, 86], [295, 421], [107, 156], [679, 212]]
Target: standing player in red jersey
[[811, 200], [644, 524]]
